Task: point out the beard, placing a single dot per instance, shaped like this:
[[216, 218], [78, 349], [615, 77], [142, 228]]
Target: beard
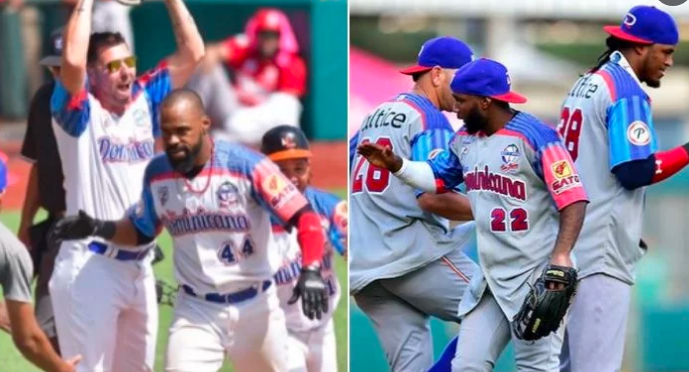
[[185, 164], [474, 122], [647, 76]]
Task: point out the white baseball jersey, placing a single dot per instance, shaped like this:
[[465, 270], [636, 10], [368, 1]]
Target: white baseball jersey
[[104, 155], [219, 220], [517, 180], [606, 121], [393, 235], [333, 214]]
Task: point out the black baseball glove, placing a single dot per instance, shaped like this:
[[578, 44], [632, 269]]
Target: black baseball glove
[[544, 309], [78, 227], [313, 292], [165, 293]]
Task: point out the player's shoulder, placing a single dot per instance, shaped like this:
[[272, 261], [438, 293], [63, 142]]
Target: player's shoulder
[[619, 81], [430, 116], [323, 201], [236, 157], [157, 166], [532, 130]]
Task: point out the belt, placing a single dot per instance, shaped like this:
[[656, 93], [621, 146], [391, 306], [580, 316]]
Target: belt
[[120, 254], [229, 298]]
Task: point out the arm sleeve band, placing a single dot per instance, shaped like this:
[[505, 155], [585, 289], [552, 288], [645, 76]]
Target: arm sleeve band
[[417, 174]]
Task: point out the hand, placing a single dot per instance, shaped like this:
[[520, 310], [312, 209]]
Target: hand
[[24, 235], [380, 156], [71, 364], [212, 57], [313, 292], [562, 260], [74, 227]]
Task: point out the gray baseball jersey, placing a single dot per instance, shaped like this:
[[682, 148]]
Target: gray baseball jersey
[[517, 180], [16, 269], [606, 121], [392, 235]]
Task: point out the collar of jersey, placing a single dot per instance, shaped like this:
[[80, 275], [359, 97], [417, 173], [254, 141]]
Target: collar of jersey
[[619, 59]]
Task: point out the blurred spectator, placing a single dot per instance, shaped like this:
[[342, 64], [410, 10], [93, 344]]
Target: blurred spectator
[[268, 78]]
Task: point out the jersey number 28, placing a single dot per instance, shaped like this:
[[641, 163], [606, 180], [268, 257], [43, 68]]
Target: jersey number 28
[[376, 179], [570, 129]]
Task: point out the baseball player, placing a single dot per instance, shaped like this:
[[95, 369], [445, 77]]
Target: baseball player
[[313, 340], [105, 122], [519, 177], [216, 199], [607, 126], [16, 271], [406, 265]]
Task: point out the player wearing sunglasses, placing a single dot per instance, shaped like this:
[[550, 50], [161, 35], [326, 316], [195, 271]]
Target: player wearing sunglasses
[[106, 121]]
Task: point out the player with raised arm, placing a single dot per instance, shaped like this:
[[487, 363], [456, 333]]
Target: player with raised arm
[[406, 264], [215, 199], [105, 122], [313, 340], [607, 125], [528, 205]]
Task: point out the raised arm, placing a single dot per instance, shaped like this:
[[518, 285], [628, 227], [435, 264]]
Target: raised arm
[[75, 48], [190, 47]]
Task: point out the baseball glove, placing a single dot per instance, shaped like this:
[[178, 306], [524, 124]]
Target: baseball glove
[[165, 293], [544, 309]]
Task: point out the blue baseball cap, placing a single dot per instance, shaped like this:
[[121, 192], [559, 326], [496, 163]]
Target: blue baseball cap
[[645, 24], [486, 78], [444, 51]]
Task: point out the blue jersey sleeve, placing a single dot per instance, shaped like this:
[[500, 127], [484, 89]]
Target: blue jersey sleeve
[[447, 170], [71, 112], [143, 214], [430, 143], [631, 135], [156, 84], [334, 210]]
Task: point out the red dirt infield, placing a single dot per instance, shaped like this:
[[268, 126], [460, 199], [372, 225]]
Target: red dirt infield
[[329, 169]]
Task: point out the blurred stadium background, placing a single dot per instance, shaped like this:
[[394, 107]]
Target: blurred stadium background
[[545, 44], [321, 32]]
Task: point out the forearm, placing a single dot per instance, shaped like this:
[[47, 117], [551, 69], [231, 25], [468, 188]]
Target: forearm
[[190, 45], [76, 42], [654, 169], [309, 235], [120, 232], [37, 349], [29, 338], [417, 174], [571, 220], [450, 205], [31, 202]]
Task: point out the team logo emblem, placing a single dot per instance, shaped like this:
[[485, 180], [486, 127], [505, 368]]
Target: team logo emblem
[[509, 79], [278, 190], [561, 169], [510, 158], [565, 178], [288, 141], [163, 195], [639, 134], [228, 194], [434, 153], [629, 20], [420, 51]]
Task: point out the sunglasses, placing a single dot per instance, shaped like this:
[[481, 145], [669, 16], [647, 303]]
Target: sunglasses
[[116, 65]]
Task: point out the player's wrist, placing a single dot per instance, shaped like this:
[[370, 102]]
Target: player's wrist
[[399, 166], [104, 229]]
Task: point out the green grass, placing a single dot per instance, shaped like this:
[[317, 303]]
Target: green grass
[[12, 361]]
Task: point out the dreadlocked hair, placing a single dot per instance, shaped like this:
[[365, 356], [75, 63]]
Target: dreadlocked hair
[[614, 44]]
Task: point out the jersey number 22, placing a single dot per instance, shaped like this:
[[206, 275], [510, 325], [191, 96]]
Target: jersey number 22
[[376, 179], [570, 129]]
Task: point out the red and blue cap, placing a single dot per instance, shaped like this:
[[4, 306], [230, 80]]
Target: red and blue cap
[[444, 52], [486, 78], [645, 24]]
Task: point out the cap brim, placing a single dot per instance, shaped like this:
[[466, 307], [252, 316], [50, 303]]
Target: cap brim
[[290, 154], [51, 61], [415, 70], [617, 32], [510, 97]]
